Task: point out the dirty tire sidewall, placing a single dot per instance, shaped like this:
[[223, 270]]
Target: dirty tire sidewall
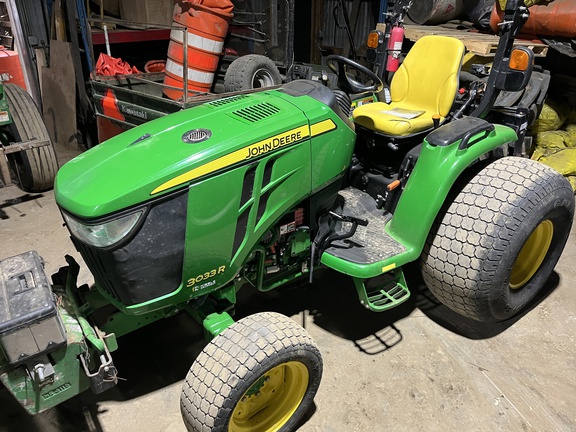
[[242, 73], [234, 360], [474, 243], [34, 169]]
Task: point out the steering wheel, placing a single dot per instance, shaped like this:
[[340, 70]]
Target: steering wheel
[[338, 65]]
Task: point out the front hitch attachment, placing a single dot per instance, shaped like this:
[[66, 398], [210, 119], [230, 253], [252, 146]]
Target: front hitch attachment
[[105, 377], [41, 371]]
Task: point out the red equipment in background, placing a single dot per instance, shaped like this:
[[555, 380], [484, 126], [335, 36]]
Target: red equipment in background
[[396, 37], [555, 19], [395, 48], [10, 68]]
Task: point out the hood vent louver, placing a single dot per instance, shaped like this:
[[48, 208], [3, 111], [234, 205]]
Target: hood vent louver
[[226, 101], [257, 112]]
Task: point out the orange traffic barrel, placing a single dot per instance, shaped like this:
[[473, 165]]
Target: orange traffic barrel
[[206, 29], [10, 68], [153, 66], [554, 19]]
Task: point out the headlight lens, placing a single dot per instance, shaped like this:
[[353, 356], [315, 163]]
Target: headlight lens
[[103, 234]]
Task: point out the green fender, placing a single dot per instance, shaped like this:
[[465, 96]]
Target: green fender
[[436, 171]]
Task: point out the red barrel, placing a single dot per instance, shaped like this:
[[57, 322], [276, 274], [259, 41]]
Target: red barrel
[[10, 68], [554, 19], [206, 30]]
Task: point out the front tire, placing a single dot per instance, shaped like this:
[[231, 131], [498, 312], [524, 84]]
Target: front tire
[[260, 374], [495, 245]]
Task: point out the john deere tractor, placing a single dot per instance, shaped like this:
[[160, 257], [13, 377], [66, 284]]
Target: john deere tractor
[[258, 190]]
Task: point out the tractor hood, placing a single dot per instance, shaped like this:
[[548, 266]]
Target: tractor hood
[[167, 154]]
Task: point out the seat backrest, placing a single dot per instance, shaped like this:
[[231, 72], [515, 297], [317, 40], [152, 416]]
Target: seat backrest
[[428, 77]]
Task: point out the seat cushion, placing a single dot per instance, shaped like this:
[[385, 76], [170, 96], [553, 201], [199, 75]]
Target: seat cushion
[[393, 119]]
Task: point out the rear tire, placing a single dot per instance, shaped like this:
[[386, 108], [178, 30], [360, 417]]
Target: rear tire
[[495, 245], [260, 374], [251, 71], [34, 169]]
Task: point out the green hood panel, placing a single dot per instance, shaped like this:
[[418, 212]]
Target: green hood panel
[[153, 159]]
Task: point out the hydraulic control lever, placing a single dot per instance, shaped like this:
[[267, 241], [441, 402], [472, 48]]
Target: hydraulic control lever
[[324, 240]]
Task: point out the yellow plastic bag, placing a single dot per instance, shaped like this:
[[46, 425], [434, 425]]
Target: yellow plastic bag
[[537, 154], [572, 180], [552, 117], [528, 3], [563, 161], [571, 138], [540, 153], [555, 139]]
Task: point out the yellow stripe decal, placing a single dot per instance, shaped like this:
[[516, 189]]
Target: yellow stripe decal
[[388, 267], [323, 126], [254, 150]]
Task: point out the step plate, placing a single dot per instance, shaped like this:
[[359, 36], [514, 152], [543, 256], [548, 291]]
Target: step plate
[[388, 297], [370, 244]]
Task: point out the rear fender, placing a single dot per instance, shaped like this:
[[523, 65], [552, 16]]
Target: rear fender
[[446, 153]]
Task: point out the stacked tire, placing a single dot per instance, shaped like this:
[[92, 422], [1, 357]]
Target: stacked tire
[[34, 169]]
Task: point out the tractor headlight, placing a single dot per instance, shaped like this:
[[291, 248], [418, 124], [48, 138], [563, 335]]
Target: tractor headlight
[[103, 234]]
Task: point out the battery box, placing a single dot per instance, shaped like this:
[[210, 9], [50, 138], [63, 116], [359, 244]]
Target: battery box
[[30, 325]]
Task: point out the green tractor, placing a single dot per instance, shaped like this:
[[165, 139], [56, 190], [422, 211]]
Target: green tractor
[[258, 190]]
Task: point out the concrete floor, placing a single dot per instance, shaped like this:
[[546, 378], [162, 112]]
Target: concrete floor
[[418, 367]]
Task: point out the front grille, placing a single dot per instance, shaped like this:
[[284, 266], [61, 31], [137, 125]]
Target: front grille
[[97, 268], [148, 265]]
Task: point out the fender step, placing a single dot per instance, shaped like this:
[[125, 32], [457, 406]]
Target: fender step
[[383, 292]]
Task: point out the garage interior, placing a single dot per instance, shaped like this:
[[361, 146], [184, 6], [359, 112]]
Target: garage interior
[[420, 366]]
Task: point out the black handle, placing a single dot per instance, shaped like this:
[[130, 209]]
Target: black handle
[[481, 127]]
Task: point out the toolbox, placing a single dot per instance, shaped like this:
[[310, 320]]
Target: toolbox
[[30, 325]]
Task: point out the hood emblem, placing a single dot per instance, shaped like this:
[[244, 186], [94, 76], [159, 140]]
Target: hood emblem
[[196, 136]]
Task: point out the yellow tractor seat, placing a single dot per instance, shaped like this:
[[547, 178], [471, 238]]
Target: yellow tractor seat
[[425, 85]]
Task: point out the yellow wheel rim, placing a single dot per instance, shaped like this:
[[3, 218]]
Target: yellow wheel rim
[[272, 399], [532, 254]]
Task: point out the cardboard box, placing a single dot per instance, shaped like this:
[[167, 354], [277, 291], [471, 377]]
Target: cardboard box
[[111, 7], [148, 11]]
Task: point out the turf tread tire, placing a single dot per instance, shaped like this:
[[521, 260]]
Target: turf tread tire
[[476, 238], [35, 169], [235, 359], [240, 74]]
